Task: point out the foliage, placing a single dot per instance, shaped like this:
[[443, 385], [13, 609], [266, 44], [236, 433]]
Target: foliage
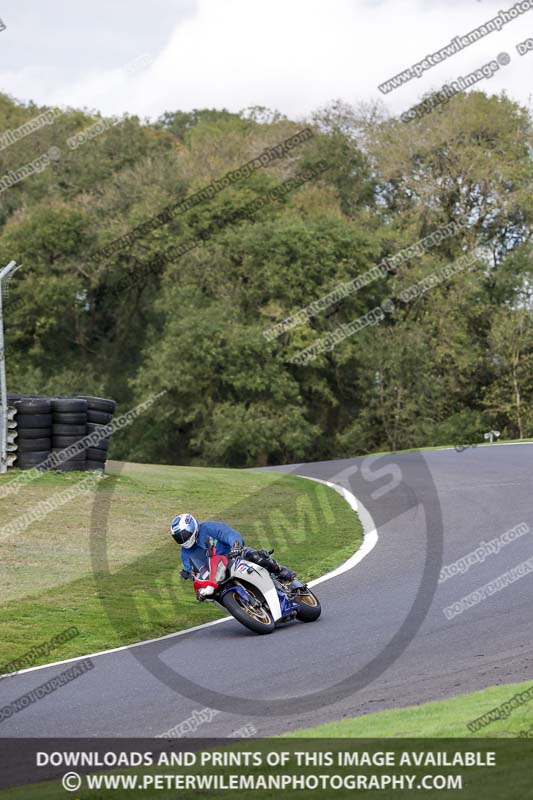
[[440, 369]]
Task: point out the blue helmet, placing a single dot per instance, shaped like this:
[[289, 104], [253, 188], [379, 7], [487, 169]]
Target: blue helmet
[[184, 530]]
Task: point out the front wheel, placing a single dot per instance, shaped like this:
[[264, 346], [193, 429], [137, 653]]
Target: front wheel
[[255, 618], [309, 608]]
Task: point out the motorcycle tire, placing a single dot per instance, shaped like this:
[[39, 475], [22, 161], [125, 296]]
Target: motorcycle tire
[[233, 602], [309, 608]]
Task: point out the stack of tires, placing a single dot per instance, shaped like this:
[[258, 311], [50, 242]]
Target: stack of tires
[[38, 426], [34, 429], [69, 421], [100, 413]]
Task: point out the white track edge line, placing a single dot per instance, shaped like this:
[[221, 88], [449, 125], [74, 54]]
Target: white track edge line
[[370, 540], [370, 537]]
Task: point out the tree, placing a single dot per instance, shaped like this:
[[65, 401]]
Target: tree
[[510, 396]]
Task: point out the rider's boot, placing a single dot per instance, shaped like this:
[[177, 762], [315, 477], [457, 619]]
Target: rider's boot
[[279, 571], [285, 574]]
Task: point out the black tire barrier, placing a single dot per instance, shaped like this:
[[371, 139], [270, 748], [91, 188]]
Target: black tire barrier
[[96, 455], [33, 433], [76, 457], [33, 445], [65, 441], [33, 406], [34, 420], [69, 405], [42, 423], [73, 466], [62, 418], [103, 445], [101, 417], [30, 460], [68, 430], [95, 427], [100, 404], [91, 466]]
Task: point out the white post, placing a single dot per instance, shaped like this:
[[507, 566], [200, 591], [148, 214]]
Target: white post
[[5, 273], [3, 394]]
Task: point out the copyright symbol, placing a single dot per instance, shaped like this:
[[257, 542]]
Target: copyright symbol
[[71, 781], [504, 59], [54, 153]]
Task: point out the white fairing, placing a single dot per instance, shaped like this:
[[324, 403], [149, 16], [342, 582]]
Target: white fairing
[[247, 573]]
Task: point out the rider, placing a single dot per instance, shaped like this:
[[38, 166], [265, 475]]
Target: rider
[[193, 536]]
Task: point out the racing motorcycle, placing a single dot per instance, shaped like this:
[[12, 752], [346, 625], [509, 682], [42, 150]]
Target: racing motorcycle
[[254, 597]]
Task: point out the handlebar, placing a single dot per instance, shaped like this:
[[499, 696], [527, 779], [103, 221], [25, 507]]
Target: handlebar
[[237, 550]]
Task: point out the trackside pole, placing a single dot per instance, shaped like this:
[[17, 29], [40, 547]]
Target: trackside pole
[[4, 274]]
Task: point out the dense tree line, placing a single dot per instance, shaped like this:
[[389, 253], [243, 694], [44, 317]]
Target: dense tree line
[[441, 369]]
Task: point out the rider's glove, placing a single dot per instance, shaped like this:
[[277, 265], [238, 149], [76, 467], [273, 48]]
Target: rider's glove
[[185, 574], [236, 550]]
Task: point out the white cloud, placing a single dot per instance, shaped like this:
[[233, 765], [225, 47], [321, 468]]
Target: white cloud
[[293, 56]]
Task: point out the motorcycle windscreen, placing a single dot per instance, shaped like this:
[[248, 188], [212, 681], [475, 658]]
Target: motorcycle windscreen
[[199, 566]]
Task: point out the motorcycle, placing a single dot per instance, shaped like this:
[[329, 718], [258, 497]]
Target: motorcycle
[[254, 597]]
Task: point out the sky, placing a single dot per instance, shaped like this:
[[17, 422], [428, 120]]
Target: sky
[[128, 56]]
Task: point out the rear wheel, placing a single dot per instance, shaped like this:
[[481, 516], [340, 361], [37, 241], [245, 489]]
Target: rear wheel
[[254, 617], [309, 608]]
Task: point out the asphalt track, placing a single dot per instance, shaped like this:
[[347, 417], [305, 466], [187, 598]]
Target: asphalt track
[[480, 493]]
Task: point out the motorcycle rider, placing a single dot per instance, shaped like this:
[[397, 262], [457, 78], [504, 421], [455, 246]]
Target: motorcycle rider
[[193, 536]]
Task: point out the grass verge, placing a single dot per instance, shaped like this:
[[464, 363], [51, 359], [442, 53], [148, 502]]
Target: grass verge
[[105, 563], [440, 719]]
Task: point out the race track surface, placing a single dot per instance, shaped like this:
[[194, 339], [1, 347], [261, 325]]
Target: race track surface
[[398, 655]]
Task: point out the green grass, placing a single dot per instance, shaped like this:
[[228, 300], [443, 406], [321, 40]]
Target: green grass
[[105, 562], [441, 719]]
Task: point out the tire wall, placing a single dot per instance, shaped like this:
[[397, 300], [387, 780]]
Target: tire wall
[[41, 426]]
